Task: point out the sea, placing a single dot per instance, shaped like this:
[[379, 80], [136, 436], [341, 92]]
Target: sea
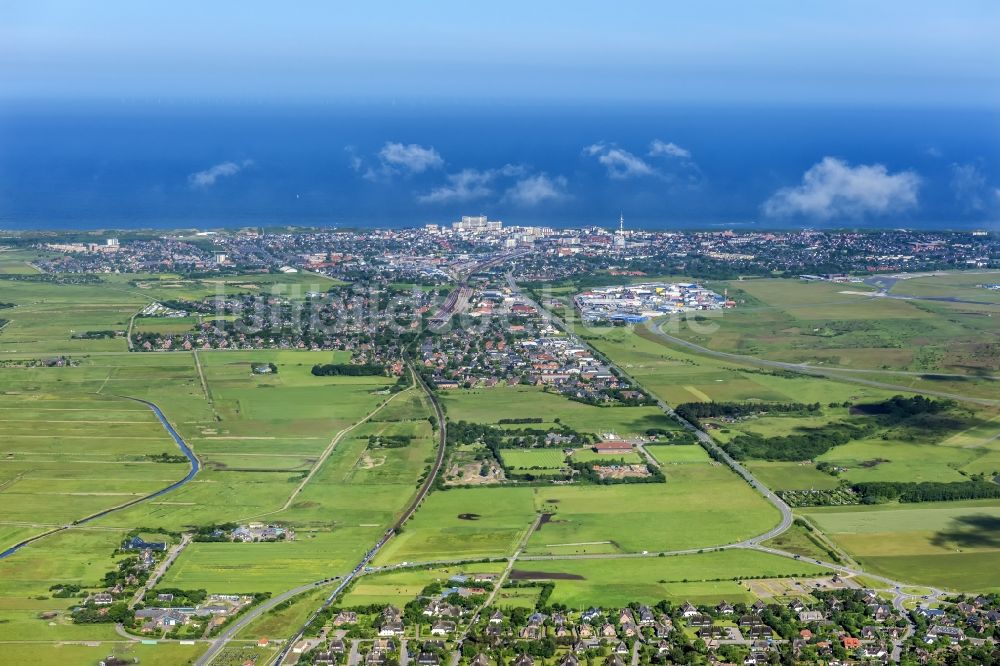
[[129, 164]]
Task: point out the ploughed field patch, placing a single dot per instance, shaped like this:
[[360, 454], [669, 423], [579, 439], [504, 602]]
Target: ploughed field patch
[[515, 574]]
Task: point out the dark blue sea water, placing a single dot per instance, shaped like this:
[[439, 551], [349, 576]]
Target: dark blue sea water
[[131, 165]]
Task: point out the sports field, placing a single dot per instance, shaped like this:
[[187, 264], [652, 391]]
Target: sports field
[[534, 459]]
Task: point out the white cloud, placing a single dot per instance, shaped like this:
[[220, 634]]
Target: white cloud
[[466, 185], [620, 163], [410, 157], [395, 159], [209, 176], [536, 189], [968, 184], [833, 188], [668, 149]]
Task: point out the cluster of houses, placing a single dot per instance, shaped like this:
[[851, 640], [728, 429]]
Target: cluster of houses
[[970, 619], [258, 532], [214, 612], [344, 319], [843, 626], [639, 302], [528, 351]]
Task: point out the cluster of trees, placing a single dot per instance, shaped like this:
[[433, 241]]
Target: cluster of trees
[[899, 407], [694, 411], [804, 446], [876, 492], [96, 335], [115, 613], [527, 419], [389, 441], [214, 533], [60, 591], [167, 457], [182, 598], [346, 369]]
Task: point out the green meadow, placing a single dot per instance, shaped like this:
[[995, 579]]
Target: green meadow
[[491, 405], [838, 325], [399, 587], [948, 544], [699, 578]]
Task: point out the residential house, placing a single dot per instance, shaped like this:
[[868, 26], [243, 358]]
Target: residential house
[[699, 620], [953, 634], [523, 660], [811, 616], [345, 617], [443, 628]]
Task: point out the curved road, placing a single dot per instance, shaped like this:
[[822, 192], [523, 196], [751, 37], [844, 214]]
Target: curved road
[[185, 449], [703, 438]]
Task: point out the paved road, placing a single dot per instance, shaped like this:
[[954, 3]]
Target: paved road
[[703, 438], [161, 569], [811, 369], [502, 578], [359, 570]]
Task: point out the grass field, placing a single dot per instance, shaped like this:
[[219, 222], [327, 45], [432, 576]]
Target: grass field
[[701, 578], [948, 544], [491, 405], [399, 587], [545, 459], [492, 521], [700, 505], [817, 322], [792, 476], [667, 454], [162, 654], [677, 376]]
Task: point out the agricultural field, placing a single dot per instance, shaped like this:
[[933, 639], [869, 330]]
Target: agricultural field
[[792, 475], [18, 262], [699, 578], [161, 654], [74, 444], [701, 505], [678, 376], [491, 405], [464, 523], [670, 454], [952, 545], [399, 587]]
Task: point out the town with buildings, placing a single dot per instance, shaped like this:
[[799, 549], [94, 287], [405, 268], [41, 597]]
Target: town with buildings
[[639, 302]]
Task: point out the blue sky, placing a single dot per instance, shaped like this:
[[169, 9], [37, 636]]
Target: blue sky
[[844, 52]]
